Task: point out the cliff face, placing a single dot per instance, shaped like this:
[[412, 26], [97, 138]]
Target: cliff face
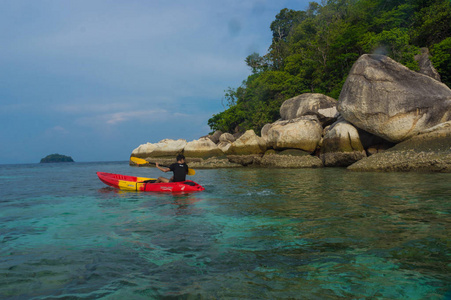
[[383, 105]]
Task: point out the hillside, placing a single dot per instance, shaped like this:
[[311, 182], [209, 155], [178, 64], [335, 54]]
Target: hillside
[[312, 51]]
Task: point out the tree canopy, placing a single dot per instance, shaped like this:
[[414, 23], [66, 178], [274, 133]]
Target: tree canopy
[[313, 51]]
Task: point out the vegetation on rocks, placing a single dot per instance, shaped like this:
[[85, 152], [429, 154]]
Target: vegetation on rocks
[[312, 51], [286, 113], [56, 158]]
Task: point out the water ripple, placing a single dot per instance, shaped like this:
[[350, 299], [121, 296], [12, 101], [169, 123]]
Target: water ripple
[[266, 233]]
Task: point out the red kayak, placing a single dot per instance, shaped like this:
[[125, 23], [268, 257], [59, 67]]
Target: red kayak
[[132, 183]]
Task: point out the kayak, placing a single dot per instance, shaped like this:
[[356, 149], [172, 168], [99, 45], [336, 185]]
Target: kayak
[[132, 183]]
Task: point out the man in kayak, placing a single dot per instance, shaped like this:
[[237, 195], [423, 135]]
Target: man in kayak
[[180, 169]]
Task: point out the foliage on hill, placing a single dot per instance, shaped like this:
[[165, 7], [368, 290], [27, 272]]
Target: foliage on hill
[[56, 158], [313, 51]]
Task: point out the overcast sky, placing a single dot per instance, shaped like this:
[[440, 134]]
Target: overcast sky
[[95, 79]]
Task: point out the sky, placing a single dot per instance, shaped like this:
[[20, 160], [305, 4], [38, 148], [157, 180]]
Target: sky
[[94, 79]]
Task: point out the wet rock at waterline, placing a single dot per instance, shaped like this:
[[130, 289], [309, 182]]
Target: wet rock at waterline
[[341, 145], [290, 158], [429, 151]]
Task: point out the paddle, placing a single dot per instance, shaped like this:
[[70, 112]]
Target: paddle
[[140, 161]]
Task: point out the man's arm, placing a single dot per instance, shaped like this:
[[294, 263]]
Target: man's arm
[[162, 169]]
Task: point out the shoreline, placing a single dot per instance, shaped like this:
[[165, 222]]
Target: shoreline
[[387, 118], [429, 151]]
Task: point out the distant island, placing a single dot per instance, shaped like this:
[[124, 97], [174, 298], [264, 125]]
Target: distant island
[[52, 158]]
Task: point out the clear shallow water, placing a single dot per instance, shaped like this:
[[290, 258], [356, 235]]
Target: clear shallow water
[[254, 233]]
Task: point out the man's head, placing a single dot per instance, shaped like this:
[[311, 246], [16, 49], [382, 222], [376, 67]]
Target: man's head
[[180, 158]]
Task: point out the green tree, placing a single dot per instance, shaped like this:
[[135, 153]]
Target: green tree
[[394, 43], [313, 51], [441, 59], [284, 23], [432, 22], [256, 62], [281, 29]]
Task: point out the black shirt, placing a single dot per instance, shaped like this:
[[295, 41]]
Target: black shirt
[[180, 171]]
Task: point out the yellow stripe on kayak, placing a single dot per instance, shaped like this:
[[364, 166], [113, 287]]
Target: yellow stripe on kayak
[[133, 186]]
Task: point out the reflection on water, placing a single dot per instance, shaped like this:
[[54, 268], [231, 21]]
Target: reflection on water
[[254, 233]]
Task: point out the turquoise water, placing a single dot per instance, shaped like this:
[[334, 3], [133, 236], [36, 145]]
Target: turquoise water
[[253, 234]]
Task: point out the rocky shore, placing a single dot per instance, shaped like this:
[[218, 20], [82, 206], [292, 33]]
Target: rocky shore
[[387, 118]]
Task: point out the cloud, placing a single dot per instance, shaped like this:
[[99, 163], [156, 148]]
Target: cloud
[[114, 119], [14, 107], [99, 71], [134, 115], [56, 132], [96, 106]]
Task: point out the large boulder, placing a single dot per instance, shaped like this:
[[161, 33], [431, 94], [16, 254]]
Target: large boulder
[[224, 147], [425, 64], [341, 145], [322, 106], [226, 138], [301, 133], [203, 147], [265, 129], [428, 151], [248, 143], [215, 136], [387, 99], [225, 141], [163, 148]]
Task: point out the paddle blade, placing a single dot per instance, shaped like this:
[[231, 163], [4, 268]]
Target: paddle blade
[[138, 161], [191, 172]]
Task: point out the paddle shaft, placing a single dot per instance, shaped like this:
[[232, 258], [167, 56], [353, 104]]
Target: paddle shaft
[[151, 162], [190, 171], [141, 161]]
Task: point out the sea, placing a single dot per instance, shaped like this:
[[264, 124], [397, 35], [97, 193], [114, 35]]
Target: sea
[[252, 234]]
